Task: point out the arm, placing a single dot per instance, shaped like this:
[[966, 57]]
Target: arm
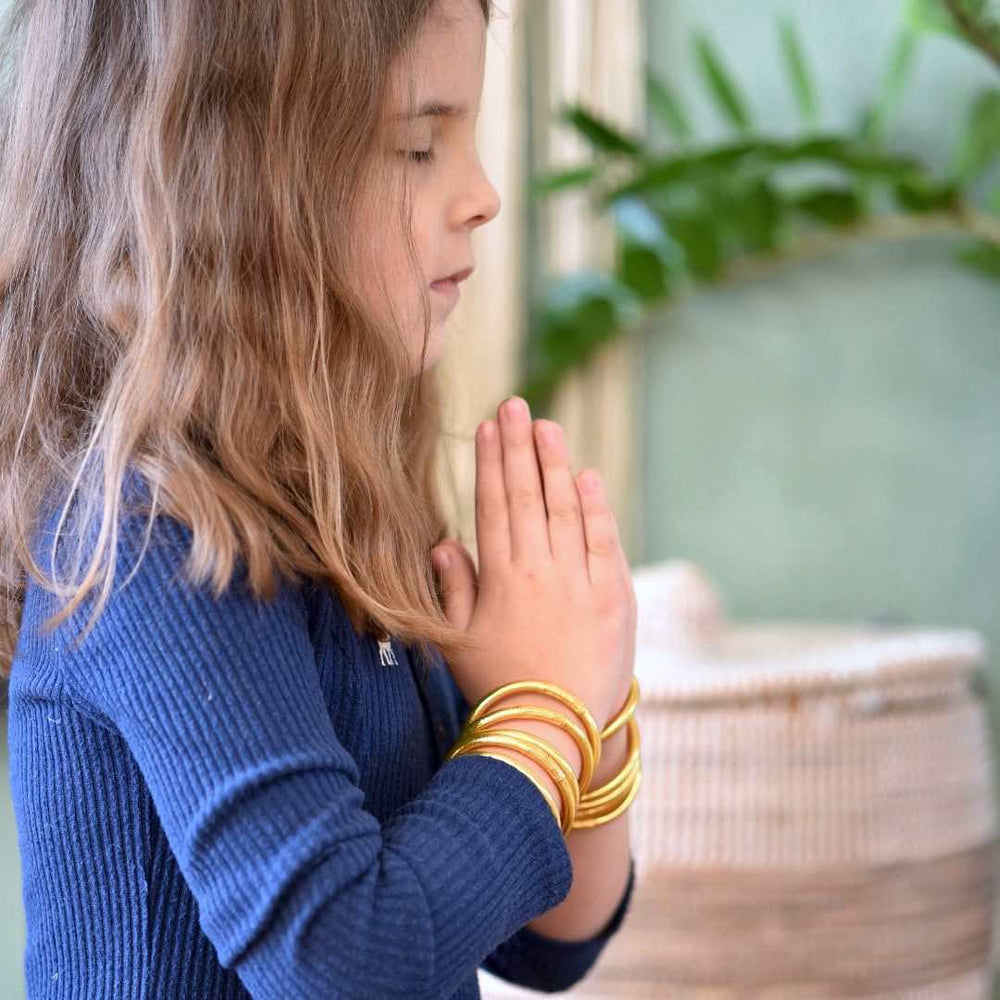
[[301, 891], [543, 954]]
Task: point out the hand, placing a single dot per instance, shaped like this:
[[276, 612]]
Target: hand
[[553, 598]]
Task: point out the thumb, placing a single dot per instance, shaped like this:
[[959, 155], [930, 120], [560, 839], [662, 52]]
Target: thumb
[[458, 581]]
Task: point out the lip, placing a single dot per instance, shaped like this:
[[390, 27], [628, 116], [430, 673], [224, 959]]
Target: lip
[[446, 289], [454, 278]]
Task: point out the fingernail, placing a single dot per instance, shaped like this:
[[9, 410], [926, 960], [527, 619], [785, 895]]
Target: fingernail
[[514, 406]]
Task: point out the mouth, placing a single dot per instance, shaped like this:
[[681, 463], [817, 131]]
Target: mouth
[[448, 285]]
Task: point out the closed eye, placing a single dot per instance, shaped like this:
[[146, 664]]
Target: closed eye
[[420, 155]]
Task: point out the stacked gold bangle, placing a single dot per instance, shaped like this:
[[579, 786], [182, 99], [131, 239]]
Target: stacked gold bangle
[[582, 806]]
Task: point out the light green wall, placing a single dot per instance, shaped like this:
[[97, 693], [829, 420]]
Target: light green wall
[[825, 441]]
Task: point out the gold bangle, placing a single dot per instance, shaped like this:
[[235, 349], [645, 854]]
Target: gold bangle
[[543, 753], [531, 777], [597, 815], [543, 687], [556, 718], [625, 712], [589, 822], [623, 776], [610, 800]]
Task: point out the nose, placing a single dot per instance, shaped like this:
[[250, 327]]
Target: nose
[[484, 199]]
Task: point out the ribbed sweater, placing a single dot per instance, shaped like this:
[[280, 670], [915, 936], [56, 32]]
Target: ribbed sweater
[[224, 797]]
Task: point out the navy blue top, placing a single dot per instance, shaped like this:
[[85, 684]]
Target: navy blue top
[[218, 797]]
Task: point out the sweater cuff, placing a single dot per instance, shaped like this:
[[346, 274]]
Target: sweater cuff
[[545, 963]]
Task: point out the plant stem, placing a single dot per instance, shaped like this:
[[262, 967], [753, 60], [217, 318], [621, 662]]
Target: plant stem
[[973, 31]]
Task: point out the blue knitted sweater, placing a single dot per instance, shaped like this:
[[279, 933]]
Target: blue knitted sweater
[[218, 797]]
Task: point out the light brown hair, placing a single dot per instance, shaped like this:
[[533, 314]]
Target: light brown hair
[[180, 181]]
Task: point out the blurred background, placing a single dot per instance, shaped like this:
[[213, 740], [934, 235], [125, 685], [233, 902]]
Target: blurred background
[[749, 257]]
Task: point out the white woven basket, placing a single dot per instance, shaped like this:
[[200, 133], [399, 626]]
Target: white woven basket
[[817, 814]]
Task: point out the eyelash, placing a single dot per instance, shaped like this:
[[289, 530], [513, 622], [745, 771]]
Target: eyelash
[[420, 155]]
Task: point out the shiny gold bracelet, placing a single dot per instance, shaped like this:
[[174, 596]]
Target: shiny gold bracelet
[[603, 804], [624, 713], [623, 776], [546, 715], [581, 806], [553, 690], [543, 753], [591, 821]]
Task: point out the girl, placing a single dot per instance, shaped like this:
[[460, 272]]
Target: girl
[[226, 227]]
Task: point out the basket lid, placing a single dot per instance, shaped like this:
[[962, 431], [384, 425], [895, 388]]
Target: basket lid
[[687, 650]]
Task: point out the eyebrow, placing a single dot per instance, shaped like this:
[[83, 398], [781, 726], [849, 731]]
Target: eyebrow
[[434, 109]]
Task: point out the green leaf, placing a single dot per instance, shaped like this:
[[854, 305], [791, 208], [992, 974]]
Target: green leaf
[[983, 255], [602, 135], [577, 313], [699, 234], [580, 300], [648, 257], [758, 215], [834, 206], [798, 71], [930, 15], [560, 180], [975, 23], [723, 89], [845, 153], [980, 145], [667, 107], [657, 174], [921, 193], [642, 269], [894, 80]]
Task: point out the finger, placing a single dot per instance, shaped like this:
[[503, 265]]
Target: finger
[[562, 499], [601, 533], [492, 522], [529, 529], [458, 583]]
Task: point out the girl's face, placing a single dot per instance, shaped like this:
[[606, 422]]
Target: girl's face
[[435, 153]]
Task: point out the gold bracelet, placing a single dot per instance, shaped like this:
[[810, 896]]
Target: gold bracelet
[[543, 687], [619, 720], [582, 806], [546, 715], [543, 753], [610, 800], [607, 817], [625, 774]]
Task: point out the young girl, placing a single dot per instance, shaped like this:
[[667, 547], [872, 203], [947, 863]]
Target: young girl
[[225, 229]]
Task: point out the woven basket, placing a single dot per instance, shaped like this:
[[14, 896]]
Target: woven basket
[[816, 817]]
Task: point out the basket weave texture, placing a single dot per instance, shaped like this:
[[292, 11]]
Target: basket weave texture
[[817, 816]]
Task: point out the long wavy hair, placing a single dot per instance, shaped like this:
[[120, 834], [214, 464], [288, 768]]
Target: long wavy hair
[[180, 188]]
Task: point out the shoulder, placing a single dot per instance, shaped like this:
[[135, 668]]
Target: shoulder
[[153, 582]]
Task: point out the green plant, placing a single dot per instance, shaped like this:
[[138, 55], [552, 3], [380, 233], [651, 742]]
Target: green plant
[[708, 214], [974, 21]]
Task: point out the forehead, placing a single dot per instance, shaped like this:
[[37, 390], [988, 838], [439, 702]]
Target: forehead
[[441, 71]]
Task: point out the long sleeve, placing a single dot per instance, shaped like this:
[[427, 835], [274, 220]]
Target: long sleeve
[[537, 961], [549, 964], [300, 889]]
